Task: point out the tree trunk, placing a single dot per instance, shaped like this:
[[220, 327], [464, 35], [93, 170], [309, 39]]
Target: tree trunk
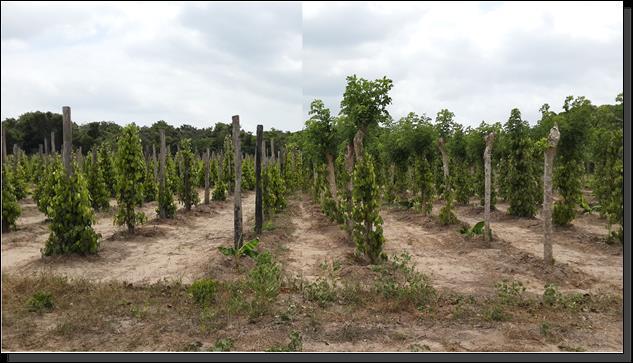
[[550, 153], [206, 177], [237, 194], [259, 215], [68, 141], [487, 181], [161, 181]]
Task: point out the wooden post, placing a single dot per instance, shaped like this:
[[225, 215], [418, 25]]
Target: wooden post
[[272, 150], [206, 177], [53, 143], [263, 151], [487, 185], [550, 153], [237, 195], [46, 146], [259, 215], [41, 153], [68, 140], [161, 181]]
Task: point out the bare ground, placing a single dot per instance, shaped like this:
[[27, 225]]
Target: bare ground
[[182, 248], [149, 316]]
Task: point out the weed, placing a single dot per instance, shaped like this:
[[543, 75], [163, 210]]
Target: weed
[[567, 348], [40, 301], [320, 291], [545, 329], [295, 345], [399, 280], [265, 281], [510, 293], [222, 345], [476, 230], [203, 291], [495, 313], [192, 347]]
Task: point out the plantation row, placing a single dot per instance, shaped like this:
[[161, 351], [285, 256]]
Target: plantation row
[[69, 194], [351, 164]]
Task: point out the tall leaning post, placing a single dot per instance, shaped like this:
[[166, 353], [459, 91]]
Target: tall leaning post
[[206, 176], [161, 181], [487, 185], [550, 153], [259, 213], [237, 195], [68, 143]]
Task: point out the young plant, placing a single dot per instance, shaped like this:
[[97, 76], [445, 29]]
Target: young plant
[[476, 230], [187, 193], [247, 249]]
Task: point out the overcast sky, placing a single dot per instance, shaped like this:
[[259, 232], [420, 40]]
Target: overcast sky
[[198, 63]]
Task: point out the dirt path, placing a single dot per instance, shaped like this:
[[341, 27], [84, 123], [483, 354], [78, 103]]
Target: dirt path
[[314, 240], [183, 248]]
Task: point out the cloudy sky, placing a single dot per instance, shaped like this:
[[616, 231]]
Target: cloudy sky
[[198, 63]]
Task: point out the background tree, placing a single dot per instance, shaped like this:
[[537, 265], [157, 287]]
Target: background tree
[[130, 168], [574, 126]]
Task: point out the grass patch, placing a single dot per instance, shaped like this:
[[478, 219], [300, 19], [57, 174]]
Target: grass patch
[[222, 345], [40, 301], [203, 291]]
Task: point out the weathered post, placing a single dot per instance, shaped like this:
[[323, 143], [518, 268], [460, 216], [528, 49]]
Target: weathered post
[[41, 153], [259, 214], [53, 143], [237, 194], [550, 153], [272, 150], [206, 177], [67, 136], [487, 184], [46, 146], [161, 181]]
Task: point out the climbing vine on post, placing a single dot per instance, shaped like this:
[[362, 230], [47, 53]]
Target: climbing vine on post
[[130, 168], [187, 193], [367, 227]]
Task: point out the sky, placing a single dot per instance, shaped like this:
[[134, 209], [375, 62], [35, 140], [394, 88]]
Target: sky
[[201, 63]]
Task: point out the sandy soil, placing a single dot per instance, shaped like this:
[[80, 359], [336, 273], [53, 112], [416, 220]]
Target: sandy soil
[[184, 248]]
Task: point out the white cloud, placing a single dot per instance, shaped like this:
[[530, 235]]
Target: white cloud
[[200, 63]]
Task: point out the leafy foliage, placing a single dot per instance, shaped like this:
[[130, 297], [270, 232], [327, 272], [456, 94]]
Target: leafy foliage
[[97, 187], [522, 180], [203, 291], [71, 216], [187, 193], [10, 208], [130, 174]]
